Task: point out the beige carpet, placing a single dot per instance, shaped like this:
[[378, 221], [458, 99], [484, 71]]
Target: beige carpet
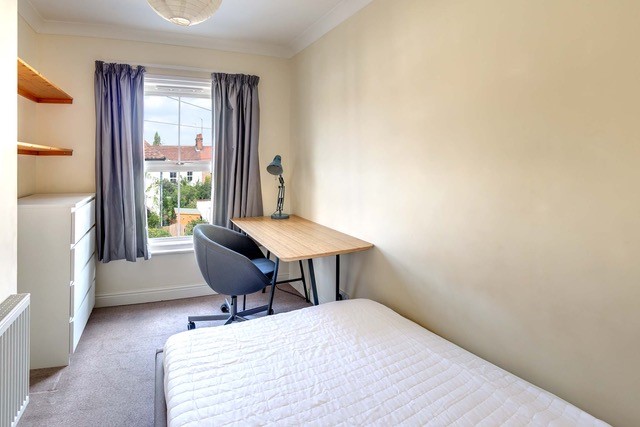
[[110, 379]]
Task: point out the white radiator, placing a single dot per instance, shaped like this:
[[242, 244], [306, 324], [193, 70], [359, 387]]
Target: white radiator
[[14, 358]]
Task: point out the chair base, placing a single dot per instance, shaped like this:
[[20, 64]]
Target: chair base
[[233, 316]]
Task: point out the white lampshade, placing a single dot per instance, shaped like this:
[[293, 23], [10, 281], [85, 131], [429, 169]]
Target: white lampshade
[[185, 12]]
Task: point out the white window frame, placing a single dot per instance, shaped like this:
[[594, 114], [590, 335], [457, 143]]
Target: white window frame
[[158, 85]]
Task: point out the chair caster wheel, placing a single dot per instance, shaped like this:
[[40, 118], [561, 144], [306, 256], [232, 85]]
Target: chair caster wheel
[[270, 312], [191, 326], [224, 308]]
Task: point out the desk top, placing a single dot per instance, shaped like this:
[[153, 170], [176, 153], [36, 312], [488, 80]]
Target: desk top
[[296, 238]]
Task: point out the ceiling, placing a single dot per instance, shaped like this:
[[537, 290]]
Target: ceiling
[[278, 28]]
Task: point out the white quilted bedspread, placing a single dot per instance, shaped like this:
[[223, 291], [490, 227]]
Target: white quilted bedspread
[[353, 362]]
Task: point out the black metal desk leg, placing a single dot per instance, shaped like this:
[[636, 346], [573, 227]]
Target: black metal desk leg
[[304, 282], [338, 296], [312, 276], [268, 255], [273, 285]]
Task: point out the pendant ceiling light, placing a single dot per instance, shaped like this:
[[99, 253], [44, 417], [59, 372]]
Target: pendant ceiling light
[[185, 12]]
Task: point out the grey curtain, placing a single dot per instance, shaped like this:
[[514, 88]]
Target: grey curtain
[[121, 220], [236, 124]]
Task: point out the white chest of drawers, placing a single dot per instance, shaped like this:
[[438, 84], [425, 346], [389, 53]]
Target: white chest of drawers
[[57, 265]]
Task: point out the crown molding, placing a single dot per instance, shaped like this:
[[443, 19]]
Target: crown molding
[[340, 13], [162, 37], [31, 15], [326, 23]]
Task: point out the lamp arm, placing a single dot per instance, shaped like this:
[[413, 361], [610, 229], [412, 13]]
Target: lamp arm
[[281, 190]]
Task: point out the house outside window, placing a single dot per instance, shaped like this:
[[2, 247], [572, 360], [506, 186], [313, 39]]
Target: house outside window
[[178, 157]]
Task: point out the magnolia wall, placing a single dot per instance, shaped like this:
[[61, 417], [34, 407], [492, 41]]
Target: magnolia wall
[[69, 62], [27, 111], [8, 118], [490, 152]]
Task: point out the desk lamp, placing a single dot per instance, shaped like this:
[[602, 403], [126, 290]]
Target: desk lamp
[[275, 168]]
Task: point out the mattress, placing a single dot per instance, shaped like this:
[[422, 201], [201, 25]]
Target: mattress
[[352, 362]]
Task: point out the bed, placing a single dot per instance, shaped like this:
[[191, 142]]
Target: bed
[[351, 362]]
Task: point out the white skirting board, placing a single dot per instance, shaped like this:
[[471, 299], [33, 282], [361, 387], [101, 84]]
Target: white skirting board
[[152, 295], [160, 294]]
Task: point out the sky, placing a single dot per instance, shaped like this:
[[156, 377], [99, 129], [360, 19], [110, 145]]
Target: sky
[[161, 115]]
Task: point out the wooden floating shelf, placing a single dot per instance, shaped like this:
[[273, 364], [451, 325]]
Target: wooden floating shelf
[[34, 86], [42, 150]]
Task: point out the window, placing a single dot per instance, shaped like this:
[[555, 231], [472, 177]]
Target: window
[[178, 157]]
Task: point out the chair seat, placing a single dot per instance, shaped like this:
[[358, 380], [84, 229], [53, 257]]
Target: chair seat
[[265, 265]]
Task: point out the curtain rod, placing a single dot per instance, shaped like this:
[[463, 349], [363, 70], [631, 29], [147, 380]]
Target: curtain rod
[[161, 66]]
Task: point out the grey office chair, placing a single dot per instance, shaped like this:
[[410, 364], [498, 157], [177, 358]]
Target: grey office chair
[[231, 264]]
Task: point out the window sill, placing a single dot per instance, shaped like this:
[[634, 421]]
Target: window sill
[[180, 245]]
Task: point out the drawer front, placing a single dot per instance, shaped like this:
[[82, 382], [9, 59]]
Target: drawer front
[[82, 219], [81, 286], [79, 321], [82, 252]]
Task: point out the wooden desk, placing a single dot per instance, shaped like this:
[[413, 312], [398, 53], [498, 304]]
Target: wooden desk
[[297, 239]]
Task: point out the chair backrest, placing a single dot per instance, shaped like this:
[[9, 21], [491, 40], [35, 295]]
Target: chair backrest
[[224, 258]]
